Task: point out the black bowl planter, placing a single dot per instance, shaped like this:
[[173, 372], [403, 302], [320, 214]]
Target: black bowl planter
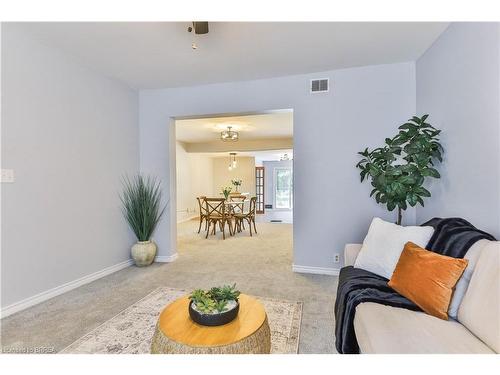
[[213, 319]]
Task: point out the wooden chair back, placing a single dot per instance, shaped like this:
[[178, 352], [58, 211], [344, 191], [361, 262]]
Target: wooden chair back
[[215, 206], [240, 200], [253, 203], [201, 205]]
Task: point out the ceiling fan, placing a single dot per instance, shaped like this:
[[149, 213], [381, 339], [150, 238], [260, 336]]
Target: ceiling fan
[[198, 28]]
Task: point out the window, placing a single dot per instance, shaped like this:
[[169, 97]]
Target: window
[[283, 188]]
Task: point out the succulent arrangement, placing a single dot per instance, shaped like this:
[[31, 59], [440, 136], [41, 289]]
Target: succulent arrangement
[[215, 300]]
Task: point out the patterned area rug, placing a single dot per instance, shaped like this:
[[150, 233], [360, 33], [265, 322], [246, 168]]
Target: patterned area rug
[[131, 331]]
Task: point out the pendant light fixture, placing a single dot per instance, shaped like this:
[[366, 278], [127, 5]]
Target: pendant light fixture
[[232, 161]]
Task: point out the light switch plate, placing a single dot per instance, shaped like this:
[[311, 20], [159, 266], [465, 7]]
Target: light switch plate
[[7, 175]]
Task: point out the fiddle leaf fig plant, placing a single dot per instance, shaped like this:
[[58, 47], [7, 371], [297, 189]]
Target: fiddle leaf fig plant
[[398, 169]]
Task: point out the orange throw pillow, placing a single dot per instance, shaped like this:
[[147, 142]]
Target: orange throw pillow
[[427, 278]]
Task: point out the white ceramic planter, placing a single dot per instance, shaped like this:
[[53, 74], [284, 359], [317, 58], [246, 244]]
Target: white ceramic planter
[[143, 253]]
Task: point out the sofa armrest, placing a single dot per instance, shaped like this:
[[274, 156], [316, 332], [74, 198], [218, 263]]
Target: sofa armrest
[[351, 252]]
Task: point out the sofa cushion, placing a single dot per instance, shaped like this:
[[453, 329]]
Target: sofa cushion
[[384, 243], [480, 308], [386, 329], [427, 278], [472, 256], [351, 251]]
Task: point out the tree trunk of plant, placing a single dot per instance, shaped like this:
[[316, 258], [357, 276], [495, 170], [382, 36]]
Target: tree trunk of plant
[[400, 216]]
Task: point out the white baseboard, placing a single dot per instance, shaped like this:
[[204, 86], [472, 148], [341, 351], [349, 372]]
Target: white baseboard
[[48, 294], [187, 219], [316, 270], [166, 258]]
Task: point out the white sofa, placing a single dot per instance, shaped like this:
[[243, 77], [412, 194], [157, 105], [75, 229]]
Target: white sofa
[[385, 329]]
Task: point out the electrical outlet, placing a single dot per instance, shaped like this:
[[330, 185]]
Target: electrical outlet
[[336, 258]]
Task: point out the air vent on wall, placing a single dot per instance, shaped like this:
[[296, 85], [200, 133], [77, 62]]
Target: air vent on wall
[[319, 85]]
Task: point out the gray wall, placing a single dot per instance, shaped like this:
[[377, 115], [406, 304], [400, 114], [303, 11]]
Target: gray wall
[[458, 85], [69, 134], [269, 178], [363, 106]]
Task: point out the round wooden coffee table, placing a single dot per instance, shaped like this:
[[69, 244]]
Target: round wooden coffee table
[[176, 333]]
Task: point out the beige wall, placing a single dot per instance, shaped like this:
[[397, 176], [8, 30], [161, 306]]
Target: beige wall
[[244, 171], [194, 178]]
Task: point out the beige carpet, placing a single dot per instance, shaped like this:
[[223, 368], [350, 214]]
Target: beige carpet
[[130, 331], [260, 265]]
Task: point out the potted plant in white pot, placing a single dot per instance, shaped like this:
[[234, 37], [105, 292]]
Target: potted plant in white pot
[[141, 199]]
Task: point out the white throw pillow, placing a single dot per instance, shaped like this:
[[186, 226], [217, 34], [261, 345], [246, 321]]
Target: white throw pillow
[[384, 243]]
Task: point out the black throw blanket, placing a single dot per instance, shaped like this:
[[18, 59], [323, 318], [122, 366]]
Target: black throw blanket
[[451, 237], [454, 236]]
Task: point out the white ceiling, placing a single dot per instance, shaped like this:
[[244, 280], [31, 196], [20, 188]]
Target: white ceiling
[[261, 126], [156, 55]]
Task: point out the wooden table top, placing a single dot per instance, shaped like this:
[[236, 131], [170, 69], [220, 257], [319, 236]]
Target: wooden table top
[[176, 324]]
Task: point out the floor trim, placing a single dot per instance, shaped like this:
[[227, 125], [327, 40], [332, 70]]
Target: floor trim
[[166, 258], [188, 219], [316, 270], [58, 290]]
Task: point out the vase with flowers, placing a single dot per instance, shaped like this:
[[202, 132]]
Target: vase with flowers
[[226, 191], [236, 184]]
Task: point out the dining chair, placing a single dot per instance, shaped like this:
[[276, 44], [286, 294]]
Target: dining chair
[[216, 211], [249, 217], [240, 202], [203, 212]]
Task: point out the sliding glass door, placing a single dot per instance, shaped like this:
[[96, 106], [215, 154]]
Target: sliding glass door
[[283, 188]]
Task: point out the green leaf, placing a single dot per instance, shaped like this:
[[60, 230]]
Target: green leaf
[[363, 174], [422, 192], [361, 162], [430, 172], [407, 180], [420, 200], [408, 126], [412, 199]]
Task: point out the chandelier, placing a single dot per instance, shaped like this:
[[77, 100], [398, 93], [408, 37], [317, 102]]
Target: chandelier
[[229, 135]]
